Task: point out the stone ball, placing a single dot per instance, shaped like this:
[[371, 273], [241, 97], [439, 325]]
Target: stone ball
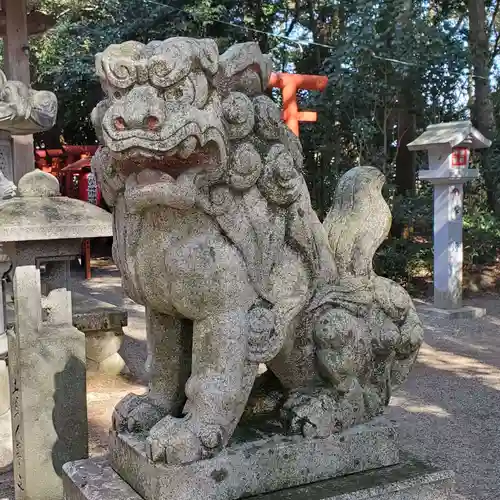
[[38, 184]]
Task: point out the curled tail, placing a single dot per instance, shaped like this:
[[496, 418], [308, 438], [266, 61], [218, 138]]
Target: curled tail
[[359, 221]]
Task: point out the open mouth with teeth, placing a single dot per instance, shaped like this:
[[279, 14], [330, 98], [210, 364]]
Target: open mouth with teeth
[[188, 148]]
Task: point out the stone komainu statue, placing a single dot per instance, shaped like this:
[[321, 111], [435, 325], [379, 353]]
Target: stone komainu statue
[[215, 235], [24, 110]]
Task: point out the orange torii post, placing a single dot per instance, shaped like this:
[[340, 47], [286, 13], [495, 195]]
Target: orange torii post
[[289, 84]]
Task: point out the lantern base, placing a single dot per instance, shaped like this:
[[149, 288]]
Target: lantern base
[[466, 312], [449, 176]]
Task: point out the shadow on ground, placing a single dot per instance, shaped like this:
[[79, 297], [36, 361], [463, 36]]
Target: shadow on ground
[[449, 409]]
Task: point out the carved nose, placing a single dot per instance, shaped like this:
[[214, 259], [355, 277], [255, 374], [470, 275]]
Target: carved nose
[[149, 122], [140, 109]]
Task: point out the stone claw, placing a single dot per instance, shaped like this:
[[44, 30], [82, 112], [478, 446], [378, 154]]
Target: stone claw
[[182, 440], [155, 450], [322, 413]]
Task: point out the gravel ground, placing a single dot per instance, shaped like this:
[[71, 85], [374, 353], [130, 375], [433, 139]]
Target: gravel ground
[[448, 411]]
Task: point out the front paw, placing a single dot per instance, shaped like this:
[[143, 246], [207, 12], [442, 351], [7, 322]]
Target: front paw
[[183, 440], [136, 413]]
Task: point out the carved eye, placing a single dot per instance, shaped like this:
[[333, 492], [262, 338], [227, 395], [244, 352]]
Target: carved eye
[[182, 92], [151, 122], [114, 94]]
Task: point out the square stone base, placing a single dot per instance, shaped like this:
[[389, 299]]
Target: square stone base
[[466, 312], [94, 479], [258, 460]]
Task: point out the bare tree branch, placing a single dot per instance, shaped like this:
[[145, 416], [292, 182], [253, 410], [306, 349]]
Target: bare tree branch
[[295, 19], [459, 24]]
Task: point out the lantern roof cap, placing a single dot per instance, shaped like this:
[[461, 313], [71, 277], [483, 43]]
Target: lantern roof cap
[[39, 212], [450, 134]]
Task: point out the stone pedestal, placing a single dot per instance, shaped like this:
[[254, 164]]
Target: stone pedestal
[[48, 387], [361, 463], [103, 325], [464, 312], [260, 464]]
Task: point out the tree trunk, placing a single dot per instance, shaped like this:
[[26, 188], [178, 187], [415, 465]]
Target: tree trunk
[[405, 159], [482, 110]]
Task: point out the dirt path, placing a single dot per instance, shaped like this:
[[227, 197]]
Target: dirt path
[[449, 409]]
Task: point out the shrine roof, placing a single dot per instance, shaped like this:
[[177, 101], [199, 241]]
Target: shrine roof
[[450, 134]]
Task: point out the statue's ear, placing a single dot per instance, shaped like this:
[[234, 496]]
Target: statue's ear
[[96, 118], [208, 55], [244, 68], [3, 79]]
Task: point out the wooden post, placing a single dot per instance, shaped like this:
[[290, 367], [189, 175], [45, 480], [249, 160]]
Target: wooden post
[[289, 84], [16, 56]]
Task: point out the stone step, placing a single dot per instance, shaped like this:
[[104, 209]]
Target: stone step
[[94, 479]]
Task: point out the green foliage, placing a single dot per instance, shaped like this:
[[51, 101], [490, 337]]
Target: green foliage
[[386, 57], [408, 259], [63, 59], [393, 68], [407, 262], [481, 238]]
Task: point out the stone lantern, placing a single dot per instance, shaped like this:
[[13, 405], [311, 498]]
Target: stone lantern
[[448, 146], [41, 230], [23, 111]]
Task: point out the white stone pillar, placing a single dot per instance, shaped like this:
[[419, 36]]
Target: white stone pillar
[[448, 245], [448, 146]]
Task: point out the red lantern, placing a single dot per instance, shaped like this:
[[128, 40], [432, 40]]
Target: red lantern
[[460, 157], [87, 188]]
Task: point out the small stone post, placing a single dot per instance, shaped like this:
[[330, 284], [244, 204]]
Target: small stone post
[[448, 147], [47, 366]]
